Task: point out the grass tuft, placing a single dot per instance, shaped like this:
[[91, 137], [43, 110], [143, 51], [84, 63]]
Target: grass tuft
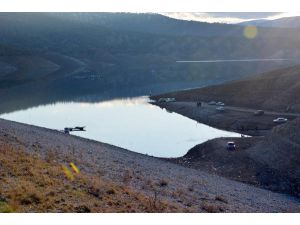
[[211, 208], [5, 208]]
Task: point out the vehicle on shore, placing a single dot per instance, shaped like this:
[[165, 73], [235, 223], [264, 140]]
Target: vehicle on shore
[[259, 113], [231, 146], [280, 120], [220, 109], [166, 100], [220, 103]]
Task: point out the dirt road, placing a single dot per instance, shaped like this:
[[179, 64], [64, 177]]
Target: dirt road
[[241, 109], [237, 119]]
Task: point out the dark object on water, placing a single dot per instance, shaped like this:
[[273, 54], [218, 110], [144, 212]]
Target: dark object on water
[[79, 129], [67, 130], [199, 104]]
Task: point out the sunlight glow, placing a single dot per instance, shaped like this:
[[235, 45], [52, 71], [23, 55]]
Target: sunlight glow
[[76, 170], [250, 32], [68, 173]]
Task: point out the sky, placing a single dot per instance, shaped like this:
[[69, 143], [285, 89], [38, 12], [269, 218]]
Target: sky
[[228, 17], [154, 6]]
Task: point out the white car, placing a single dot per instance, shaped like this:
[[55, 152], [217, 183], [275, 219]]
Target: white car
[[280, 120], [166, 100], [220, 104], [220, 109]]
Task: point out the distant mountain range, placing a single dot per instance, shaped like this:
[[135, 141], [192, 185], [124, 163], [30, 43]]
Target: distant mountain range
[[87, 53], [287, 22]]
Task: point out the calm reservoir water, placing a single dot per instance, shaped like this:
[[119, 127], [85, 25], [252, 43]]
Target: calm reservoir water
[[130, 123]]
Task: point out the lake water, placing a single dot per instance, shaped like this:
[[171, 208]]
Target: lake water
[[131, 123]]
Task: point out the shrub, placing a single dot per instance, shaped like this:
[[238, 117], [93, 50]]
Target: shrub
[[5, 208], [111, 191], [210, 208], [32, 198], [163, 183], [221, 199], [127, 176]]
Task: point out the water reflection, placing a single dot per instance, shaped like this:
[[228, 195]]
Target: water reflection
[[131, 123]]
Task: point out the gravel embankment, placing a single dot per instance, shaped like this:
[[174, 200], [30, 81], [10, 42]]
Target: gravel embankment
[[189, 187]]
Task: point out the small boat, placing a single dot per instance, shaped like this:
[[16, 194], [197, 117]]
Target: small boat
[[67, 130]]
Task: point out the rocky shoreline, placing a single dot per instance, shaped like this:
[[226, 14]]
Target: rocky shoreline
[[191, 188]]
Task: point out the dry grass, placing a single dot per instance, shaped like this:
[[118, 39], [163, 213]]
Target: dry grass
[[221, 199], [5, 208], [127, 177], [31, 184], [211, 208]]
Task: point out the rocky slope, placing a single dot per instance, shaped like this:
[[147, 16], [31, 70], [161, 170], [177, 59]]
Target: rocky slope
[[190, 189], [271, 162]]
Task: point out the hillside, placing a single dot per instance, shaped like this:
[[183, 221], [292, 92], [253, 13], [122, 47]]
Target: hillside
[[134, 49], [32, 184], [146, 181], [281, 150], [154, 23], [50, 57], [277, 90], [270, 162], [287, 22]]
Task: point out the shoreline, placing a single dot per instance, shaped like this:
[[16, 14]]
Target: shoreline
[[186, 186], [246, 164], [229, 120]]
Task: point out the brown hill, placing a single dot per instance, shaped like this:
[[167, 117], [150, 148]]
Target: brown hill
[[276, 90], [281, 150], [272, 161]]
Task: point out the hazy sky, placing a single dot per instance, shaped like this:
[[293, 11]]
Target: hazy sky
[[228, 17]]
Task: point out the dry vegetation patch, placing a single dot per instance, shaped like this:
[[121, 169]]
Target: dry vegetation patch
[[31, 184]]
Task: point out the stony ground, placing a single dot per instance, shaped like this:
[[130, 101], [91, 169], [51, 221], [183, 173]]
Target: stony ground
[[248, 163], [192, 189], [241, 120]]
